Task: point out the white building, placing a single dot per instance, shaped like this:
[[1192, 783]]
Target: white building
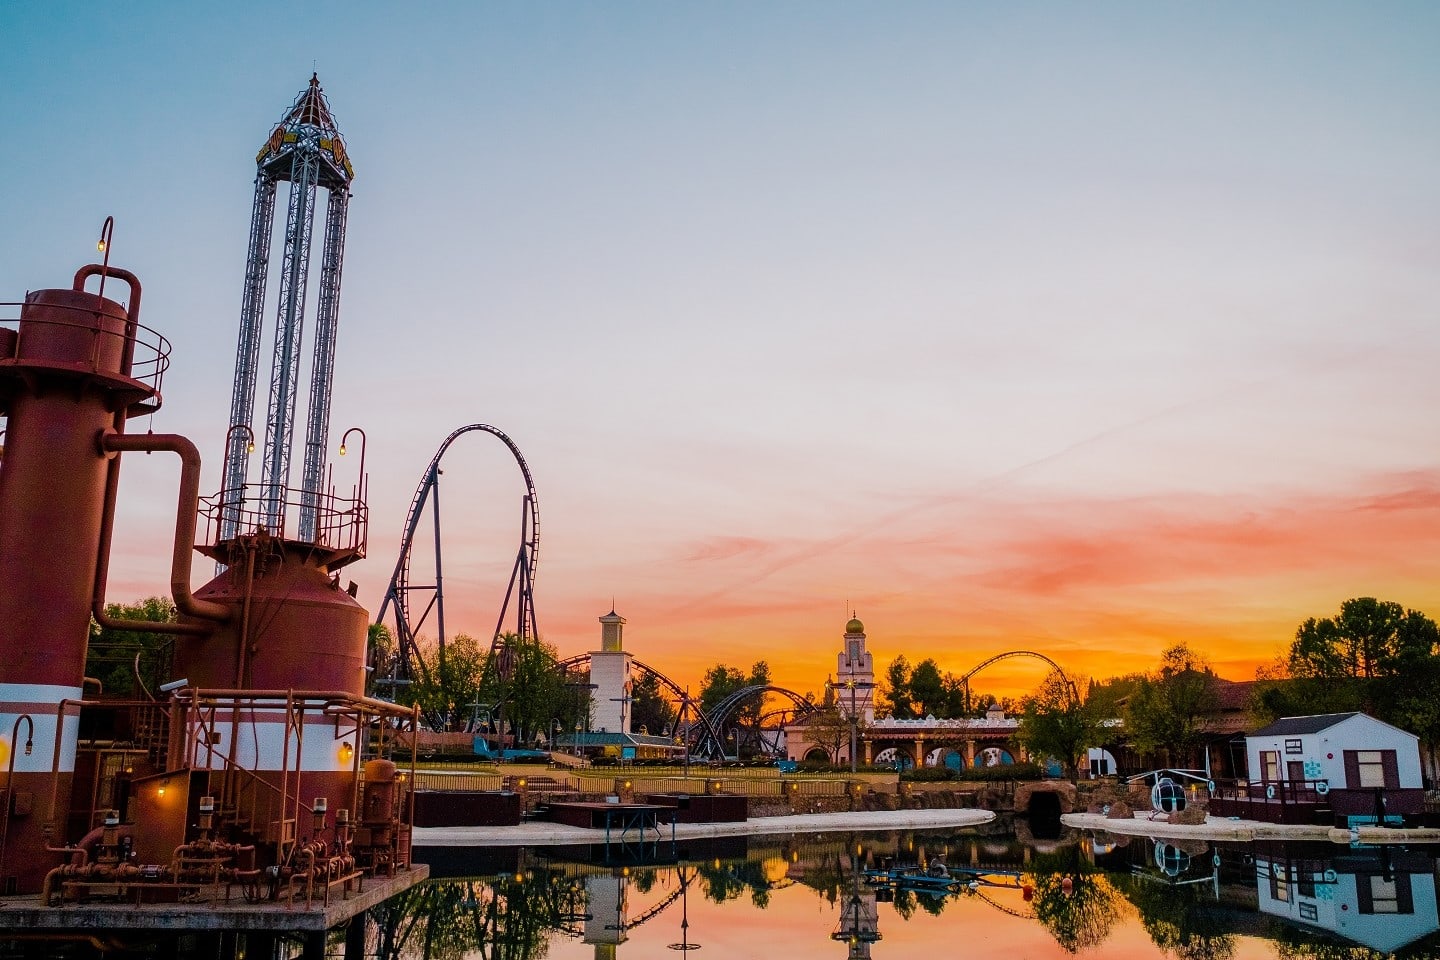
[[610, 677], [1360, 765]]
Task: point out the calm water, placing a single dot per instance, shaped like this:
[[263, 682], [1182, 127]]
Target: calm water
[[1076, 895]]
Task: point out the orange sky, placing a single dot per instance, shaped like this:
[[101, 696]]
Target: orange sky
[[1061, 332]]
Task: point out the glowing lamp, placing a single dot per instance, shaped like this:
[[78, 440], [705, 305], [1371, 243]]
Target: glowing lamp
[[347, 753], [160, 791]]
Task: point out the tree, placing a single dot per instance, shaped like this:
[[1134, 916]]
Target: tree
[[534, 694], [1055, 722], [1374, 656], [1369, 638], [895, 690], [111, 654], [720, 681], [447, 688], [381, 653], [1167, 712], [650, 710], [928, 696]]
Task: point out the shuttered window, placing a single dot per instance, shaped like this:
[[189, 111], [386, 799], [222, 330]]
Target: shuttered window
[[1368, 769], [1381, 894], [1269, 765]]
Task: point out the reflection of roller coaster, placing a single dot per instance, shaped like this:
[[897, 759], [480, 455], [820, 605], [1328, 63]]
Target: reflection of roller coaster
[[414, 602]]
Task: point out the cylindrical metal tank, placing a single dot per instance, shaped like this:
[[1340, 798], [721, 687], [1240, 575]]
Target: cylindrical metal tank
[[62, 378], [293, 627]]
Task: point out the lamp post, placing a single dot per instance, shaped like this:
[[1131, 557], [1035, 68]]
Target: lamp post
[[359, 487], [853, 687], [249, 449], [107, 232]]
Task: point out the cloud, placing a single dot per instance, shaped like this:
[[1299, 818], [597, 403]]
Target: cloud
[[725, 548]]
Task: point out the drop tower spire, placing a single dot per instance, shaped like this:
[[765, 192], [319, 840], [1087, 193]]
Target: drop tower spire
[[305, 150]]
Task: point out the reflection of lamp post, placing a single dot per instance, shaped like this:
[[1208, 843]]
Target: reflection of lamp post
[[685, 943], [858, 927]]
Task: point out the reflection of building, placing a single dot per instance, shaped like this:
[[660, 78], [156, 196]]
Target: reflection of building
[[1380, 898], [607, 918], [859, 917]]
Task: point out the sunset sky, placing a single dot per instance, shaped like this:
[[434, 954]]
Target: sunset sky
[[1077, 328]]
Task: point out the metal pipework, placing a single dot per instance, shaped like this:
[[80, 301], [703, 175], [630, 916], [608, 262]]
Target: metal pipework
[[188, 503]]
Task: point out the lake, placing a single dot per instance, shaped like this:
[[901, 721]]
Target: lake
[[996, 891]]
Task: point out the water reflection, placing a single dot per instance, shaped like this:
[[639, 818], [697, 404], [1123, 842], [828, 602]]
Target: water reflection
[[1078, 895]]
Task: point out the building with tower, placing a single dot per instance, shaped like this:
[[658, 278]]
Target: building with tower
[[855, 674], [610, 678]]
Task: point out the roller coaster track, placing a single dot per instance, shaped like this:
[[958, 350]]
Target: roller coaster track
[[709, 744], [405, 596], [965, 679], [690, 723]]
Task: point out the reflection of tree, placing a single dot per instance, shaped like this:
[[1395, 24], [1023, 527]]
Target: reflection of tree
[[1082, 915], [507, 919], [644, 880], [727, 881], [826, 876], [1180, 920]]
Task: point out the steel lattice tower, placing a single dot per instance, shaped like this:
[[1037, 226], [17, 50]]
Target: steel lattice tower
[[305, 150]]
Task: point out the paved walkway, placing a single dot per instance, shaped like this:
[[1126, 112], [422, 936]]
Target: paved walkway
[[1224, 828], [536, 833]]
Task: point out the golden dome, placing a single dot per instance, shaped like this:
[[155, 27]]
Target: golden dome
[[854, 626]]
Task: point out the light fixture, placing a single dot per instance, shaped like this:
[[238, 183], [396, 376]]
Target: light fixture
[[347, 752], [342, 449], [161, 791], [100, 245]]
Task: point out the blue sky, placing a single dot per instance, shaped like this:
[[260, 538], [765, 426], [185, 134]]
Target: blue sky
[[794, 304]]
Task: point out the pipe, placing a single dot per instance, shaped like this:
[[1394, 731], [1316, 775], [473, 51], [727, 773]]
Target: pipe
[[187, 505], [306, 696], [112, 473]]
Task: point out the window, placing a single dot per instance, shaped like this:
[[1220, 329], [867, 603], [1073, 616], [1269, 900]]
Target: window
[[1368, 769], [1379, 893], [1269, 765], [1280, 882], [1294, 746]]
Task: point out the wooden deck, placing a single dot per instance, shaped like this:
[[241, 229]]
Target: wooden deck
[[26, 914]]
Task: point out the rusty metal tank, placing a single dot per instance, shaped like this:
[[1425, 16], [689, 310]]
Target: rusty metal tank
[[65, 379], [293, 627]]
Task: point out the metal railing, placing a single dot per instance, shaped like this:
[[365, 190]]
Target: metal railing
[[341, 523], [136, 351]]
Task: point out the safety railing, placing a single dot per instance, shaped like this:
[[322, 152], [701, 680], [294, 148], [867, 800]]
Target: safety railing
[[108, 343], [341, 523]]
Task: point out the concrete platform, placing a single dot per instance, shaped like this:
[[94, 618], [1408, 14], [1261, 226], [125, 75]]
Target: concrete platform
[[1244, 831], [25, 914], [536, 834]]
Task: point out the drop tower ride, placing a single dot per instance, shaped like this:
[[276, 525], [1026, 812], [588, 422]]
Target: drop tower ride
[[306, 151]]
